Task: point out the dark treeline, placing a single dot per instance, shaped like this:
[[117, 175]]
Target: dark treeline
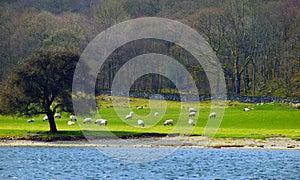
[[257, 41]]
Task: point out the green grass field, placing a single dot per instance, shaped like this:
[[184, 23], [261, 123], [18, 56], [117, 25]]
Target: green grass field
[[268, 120]]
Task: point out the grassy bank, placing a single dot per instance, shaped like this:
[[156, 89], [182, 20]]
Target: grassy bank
[[267, 120]]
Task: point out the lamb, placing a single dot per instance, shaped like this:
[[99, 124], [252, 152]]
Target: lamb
[[169, 122], [71, 123], [156, 114], [30, 120], [141, 123], [57, 115], [246, 109], [191, 114], [192, 110], [45, 118], [101, 122], [191, 122], [73, 118], [213, 115], [87, 120], [139, 107]]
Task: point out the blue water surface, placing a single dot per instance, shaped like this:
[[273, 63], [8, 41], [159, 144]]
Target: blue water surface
[[89, 163]]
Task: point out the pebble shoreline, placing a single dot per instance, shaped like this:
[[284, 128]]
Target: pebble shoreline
[[166, 142]]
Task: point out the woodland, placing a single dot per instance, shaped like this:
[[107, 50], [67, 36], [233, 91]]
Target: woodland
[[257, 41]]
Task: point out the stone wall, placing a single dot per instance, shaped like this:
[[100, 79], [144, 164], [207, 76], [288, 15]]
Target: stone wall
[[191, 97]]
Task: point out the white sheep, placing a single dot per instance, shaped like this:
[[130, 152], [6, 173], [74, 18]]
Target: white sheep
[[30, 120], [45, 118], [57, 115], [71, 123], [191, 114], [246, 109], [141, 123], [213, 115], [156, 114], [139, 107], [128, 116], [169, 122], [73, 118], [101, 122], [192, 110], [87, 120], [297, 105], [191, 122]]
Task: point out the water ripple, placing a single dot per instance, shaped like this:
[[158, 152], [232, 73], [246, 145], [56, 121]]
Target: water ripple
[[88, 163]]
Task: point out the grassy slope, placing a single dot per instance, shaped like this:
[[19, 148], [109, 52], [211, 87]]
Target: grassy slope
[[264, 121]]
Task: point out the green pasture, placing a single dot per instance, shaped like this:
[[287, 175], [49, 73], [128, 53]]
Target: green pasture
[[267, 120]]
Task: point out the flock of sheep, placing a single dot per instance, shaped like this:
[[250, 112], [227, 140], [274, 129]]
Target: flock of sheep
[[103, 122], [192, 113], [45, 118]]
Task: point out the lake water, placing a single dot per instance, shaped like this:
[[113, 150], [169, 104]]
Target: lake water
[[89, 163]]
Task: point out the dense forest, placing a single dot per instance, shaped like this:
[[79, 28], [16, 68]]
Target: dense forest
[[257, 41]]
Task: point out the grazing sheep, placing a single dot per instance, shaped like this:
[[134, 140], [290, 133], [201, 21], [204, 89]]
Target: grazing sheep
[[30, 120], [192, 110], [73, 118], [141, 123], [169, 122], [71, 123], [191, 122], [97, 121], [87, 120], [246, 109], [213, 115], [45, 118], [191, 114], [57, 115], [156, 114], [101, 122], [139, 107], [128, 116], [297, 105]]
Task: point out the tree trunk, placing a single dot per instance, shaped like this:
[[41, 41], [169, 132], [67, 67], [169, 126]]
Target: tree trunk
[[254, 80], [52, 123], [232, 88], [238, 84]]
